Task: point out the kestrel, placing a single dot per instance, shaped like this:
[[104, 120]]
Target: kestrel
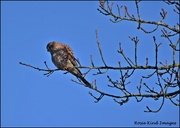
[[63, 58]]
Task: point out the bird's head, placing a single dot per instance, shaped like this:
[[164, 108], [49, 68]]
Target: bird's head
[[52, 46]]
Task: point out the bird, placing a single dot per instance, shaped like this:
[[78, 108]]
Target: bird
[[63, 58]]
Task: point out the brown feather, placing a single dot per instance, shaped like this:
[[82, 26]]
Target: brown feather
[[63, 58]]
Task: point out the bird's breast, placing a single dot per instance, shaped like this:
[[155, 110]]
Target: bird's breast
[[59, 61]]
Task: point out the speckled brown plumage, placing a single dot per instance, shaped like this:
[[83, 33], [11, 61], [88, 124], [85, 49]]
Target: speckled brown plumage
[[63, 58]]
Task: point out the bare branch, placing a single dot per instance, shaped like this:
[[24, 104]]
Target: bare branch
[[164, 76]]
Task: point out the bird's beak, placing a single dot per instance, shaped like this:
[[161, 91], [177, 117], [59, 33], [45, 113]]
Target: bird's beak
[[47, 48]]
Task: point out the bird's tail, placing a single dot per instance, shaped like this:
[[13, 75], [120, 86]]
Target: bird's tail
[[87, 84], [78, 74]]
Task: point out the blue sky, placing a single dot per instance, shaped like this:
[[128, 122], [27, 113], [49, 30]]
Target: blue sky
[[28, 98]]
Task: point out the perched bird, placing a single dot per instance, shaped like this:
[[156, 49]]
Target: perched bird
[[63, 58]]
